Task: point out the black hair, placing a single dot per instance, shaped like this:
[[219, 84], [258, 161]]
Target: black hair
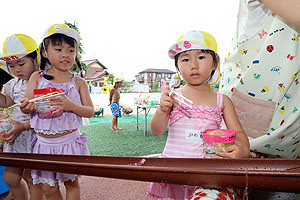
[[4, 77], [215, 56], [57, 39], [32, 55]]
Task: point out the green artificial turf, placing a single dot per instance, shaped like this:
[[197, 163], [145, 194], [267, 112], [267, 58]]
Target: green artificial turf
[[124, 119], [127, 142]]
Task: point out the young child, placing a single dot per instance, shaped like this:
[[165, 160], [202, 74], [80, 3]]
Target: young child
[[20, 55], [126, 109], [59, 134], [114, 98], [197, 61]]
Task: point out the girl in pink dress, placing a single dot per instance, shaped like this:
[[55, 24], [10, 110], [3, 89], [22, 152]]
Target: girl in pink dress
[[197, 61]]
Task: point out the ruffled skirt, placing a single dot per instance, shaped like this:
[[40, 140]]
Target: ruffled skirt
[[170, 191], [71, 144]]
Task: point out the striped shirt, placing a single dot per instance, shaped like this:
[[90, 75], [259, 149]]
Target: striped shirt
[[186, 127]]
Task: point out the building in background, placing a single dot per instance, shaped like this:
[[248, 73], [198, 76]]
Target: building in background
[[151, 76], [94, 76]]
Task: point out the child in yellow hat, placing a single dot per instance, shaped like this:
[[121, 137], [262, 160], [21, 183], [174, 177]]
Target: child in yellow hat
[[20, 56], [58, 130], [114, 98], [197, 61]]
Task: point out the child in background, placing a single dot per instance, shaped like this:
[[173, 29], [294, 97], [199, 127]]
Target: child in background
[[60, 134], [126, 109], [197, 61], [20, 55], [114, 98]]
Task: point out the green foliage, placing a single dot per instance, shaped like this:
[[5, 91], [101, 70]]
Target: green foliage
[[126, 86], [75, 67], [155, 87], [111, 78]]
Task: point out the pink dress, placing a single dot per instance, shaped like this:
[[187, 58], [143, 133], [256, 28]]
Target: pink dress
[[185, 141]]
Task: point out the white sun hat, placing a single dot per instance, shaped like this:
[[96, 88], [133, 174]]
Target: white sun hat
[[63, 29], [197, 40], [55, 29], [17, 46], [118, 79]]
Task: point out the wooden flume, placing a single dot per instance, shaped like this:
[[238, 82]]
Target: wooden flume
[[259, 174]]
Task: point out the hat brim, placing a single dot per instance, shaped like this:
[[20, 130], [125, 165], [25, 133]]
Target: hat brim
[[68, 32], [13, 57], [181, 46]]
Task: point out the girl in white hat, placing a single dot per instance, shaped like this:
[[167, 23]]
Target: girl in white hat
[[20, 55], [59, 134], [197, 61]]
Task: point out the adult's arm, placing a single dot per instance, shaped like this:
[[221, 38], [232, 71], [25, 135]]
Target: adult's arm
[[287, 9]]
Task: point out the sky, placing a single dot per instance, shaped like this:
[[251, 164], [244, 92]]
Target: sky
[[126, 36]]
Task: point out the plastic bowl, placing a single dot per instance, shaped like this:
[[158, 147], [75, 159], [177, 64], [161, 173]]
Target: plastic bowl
[[45, 110], [5, 126], [217, 140]]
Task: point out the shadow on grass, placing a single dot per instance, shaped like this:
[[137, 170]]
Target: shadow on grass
[[127, 142]]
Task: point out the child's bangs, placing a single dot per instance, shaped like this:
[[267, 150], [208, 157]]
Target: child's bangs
[[57, 39]]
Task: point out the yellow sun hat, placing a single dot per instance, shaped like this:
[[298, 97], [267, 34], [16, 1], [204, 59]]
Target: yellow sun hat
[[4, 67], [62, 29], [17, 46], [56, 29], [118, 79], [197, 40]]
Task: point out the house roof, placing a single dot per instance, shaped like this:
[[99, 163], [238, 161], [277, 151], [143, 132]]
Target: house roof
[[89, 62], [96, 75], [153, 70]]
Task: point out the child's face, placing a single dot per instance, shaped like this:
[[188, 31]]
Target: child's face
[[195, 66], [61, 56], [120, 84], [22, 68]]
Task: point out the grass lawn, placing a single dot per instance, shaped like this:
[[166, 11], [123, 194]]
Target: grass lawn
[[127, 142]]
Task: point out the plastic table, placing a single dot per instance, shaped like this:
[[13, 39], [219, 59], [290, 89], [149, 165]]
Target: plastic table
[[147, 109]]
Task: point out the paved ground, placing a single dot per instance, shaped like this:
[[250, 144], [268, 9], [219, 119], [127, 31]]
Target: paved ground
[[94, 188], [107, 189]]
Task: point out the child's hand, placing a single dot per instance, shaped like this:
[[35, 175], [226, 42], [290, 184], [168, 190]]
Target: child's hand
[[64, 103], [166, 102], [27, 107], [233, 151], [16, 130]]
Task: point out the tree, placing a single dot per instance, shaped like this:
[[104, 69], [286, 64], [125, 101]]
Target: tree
[[111, 78], [75, 67], [126, 86], [155, 87]]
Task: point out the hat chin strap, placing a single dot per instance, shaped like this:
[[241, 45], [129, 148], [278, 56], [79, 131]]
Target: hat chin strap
[[45, 49]]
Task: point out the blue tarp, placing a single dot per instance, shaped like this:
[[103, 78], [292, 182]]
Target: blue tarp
[[3, 186]]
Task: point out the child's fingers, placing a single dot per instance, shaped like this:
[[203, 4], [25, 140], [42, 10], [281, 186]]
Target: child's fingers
[[24, 103], [223, 155], [22, 100], [57, 110], [231, 148]]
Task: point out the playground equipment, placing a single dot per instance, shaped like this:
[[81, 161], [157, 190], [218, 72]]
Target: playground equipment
[[106, 87]]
